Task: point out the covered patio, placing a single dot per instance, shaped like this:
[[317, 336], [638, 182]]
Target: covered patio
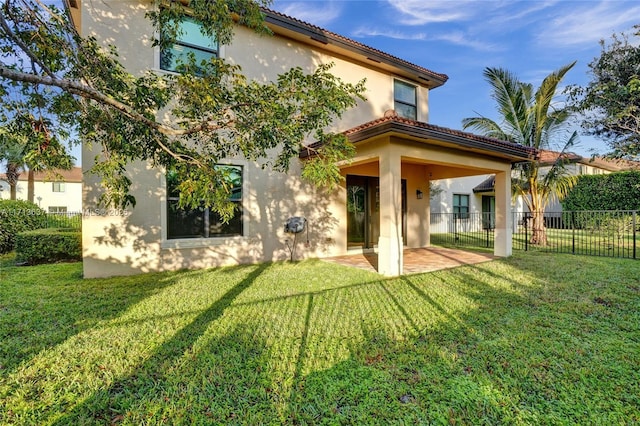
[[417, 260], [386, 191]]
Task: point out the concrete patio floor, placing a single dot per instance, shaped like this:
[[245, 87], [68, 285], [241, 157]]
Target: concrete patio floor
[[417, 260]]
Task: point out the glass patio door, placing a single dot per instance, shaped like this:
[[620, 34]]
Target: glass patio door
[[363, 211], [488, 212], [357, 210]]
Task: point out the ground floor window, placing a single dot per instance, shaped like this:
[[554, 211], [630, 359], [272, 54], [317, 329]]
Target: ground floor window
[[202, 222], [57, 209], [461, 206]]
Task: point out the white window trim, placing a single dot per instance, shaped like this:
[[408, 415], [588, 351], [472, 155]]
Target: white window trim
[[156, 57], [179, 243], [409, 83]]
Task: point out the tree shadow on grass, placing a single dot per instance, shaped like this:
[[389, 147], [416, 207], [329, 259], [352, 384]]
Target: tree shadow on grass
[[154, 379], [458, 346], [397, 361], [493, 361], [42, 306]]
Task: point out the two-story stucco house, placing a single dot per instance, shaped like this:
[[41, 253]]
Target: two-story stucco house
[[383, 203], [55, 194]]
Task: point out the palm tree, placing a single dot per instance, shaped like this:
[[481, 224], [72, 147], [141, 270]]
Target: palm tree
[[26, 145], [531, 119], [11, 153]]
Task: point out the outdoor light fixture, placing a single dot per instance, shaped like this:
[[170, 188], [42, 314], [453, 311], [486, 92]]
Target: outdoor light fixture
[[419, 194]]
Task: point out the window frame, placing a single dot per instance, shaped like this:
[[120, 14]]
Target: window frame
[[397, 101], [58, 209], [457, 207], [205, 234], [59, 185], [207, 50]]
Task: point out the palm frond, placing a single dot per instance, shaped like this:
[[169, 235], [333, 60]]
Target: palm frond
[[544, 97], [513, 100], [486, 127]]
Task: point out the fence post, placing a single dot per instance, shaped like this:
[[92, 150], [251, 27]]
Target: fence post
[[633, 223], [573, 232], [455, 228], [526, 231]]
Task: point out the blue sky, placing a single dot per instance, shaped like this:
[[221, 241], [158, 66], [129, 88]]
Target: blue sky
[[460, 38]]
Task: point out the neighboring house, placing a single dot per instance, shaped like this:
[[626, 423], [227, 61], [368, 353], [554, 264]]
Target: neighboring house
[[475, 194], [383, 204], [55, 192]]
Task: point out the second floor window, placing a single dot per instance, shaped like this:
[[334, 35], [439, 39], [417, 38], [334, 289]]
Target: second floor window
[[405, 100], [58, 187], [190, 41], [461, 206]]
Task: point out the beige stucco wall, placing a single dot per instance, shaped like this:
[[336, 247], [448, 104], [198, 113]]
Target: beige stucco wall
[[132, 241]]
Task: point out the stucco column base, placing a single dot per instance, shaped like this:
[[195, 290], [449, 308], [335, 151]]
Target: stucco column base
[[502, 243], [502, 234], [390, 256]]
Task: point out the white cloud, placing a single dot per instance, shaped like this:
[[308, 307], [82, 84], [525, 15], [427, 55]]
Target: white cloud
[[398, 35], [316, 13], [589, 22], [455, 37], [461, 39], [420, 12], [510, 12]]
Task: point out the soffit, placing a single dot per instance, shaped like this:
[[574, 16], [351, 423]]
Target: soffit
[[313, 35]]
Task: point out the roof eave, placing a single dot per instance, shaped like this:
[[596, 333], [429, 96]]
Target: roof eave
[[516, 154], [431, 80]]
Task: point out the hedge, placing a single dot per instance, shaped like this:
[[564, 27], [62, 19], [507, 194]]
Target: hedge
[[615, 191], [18, 216], [48, 246]]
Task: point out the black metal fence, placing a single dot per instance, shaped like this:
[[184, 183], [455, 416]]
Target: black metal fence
[[592, 233], [71, 220], [462, 229]]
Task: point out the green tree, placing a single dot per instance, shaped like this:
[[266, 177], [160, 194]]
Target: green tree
[[531, 119], [217, 111], [26, 145], [610, 103]]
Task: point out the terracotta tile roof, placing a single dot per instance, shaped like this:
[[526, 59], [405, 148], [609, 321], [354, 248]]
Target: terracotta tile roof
[[72, 176], [392, 122], [611, 164], [324, 36], [548, 157]]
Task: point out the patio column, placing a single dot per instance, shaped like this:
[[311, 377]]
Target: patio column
[[503, 243], [390, 244]]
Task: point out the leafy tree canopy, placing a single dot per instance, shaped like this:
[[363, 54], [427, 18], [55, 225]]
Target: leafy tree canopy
[[610, 104], [217, 111]]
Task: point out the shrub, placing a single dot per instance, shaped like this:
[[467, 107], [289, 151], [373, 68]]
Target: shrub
[[615, 191], [48, 245], [18, 216]]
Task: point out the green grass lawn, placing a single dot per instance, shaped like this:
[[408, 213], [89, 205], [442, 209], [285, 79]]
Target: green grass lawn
[[535, 339]]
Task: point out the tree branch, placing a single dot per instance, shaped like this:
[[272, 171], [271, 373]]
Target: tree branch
[[88, 92], [5, 27]]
